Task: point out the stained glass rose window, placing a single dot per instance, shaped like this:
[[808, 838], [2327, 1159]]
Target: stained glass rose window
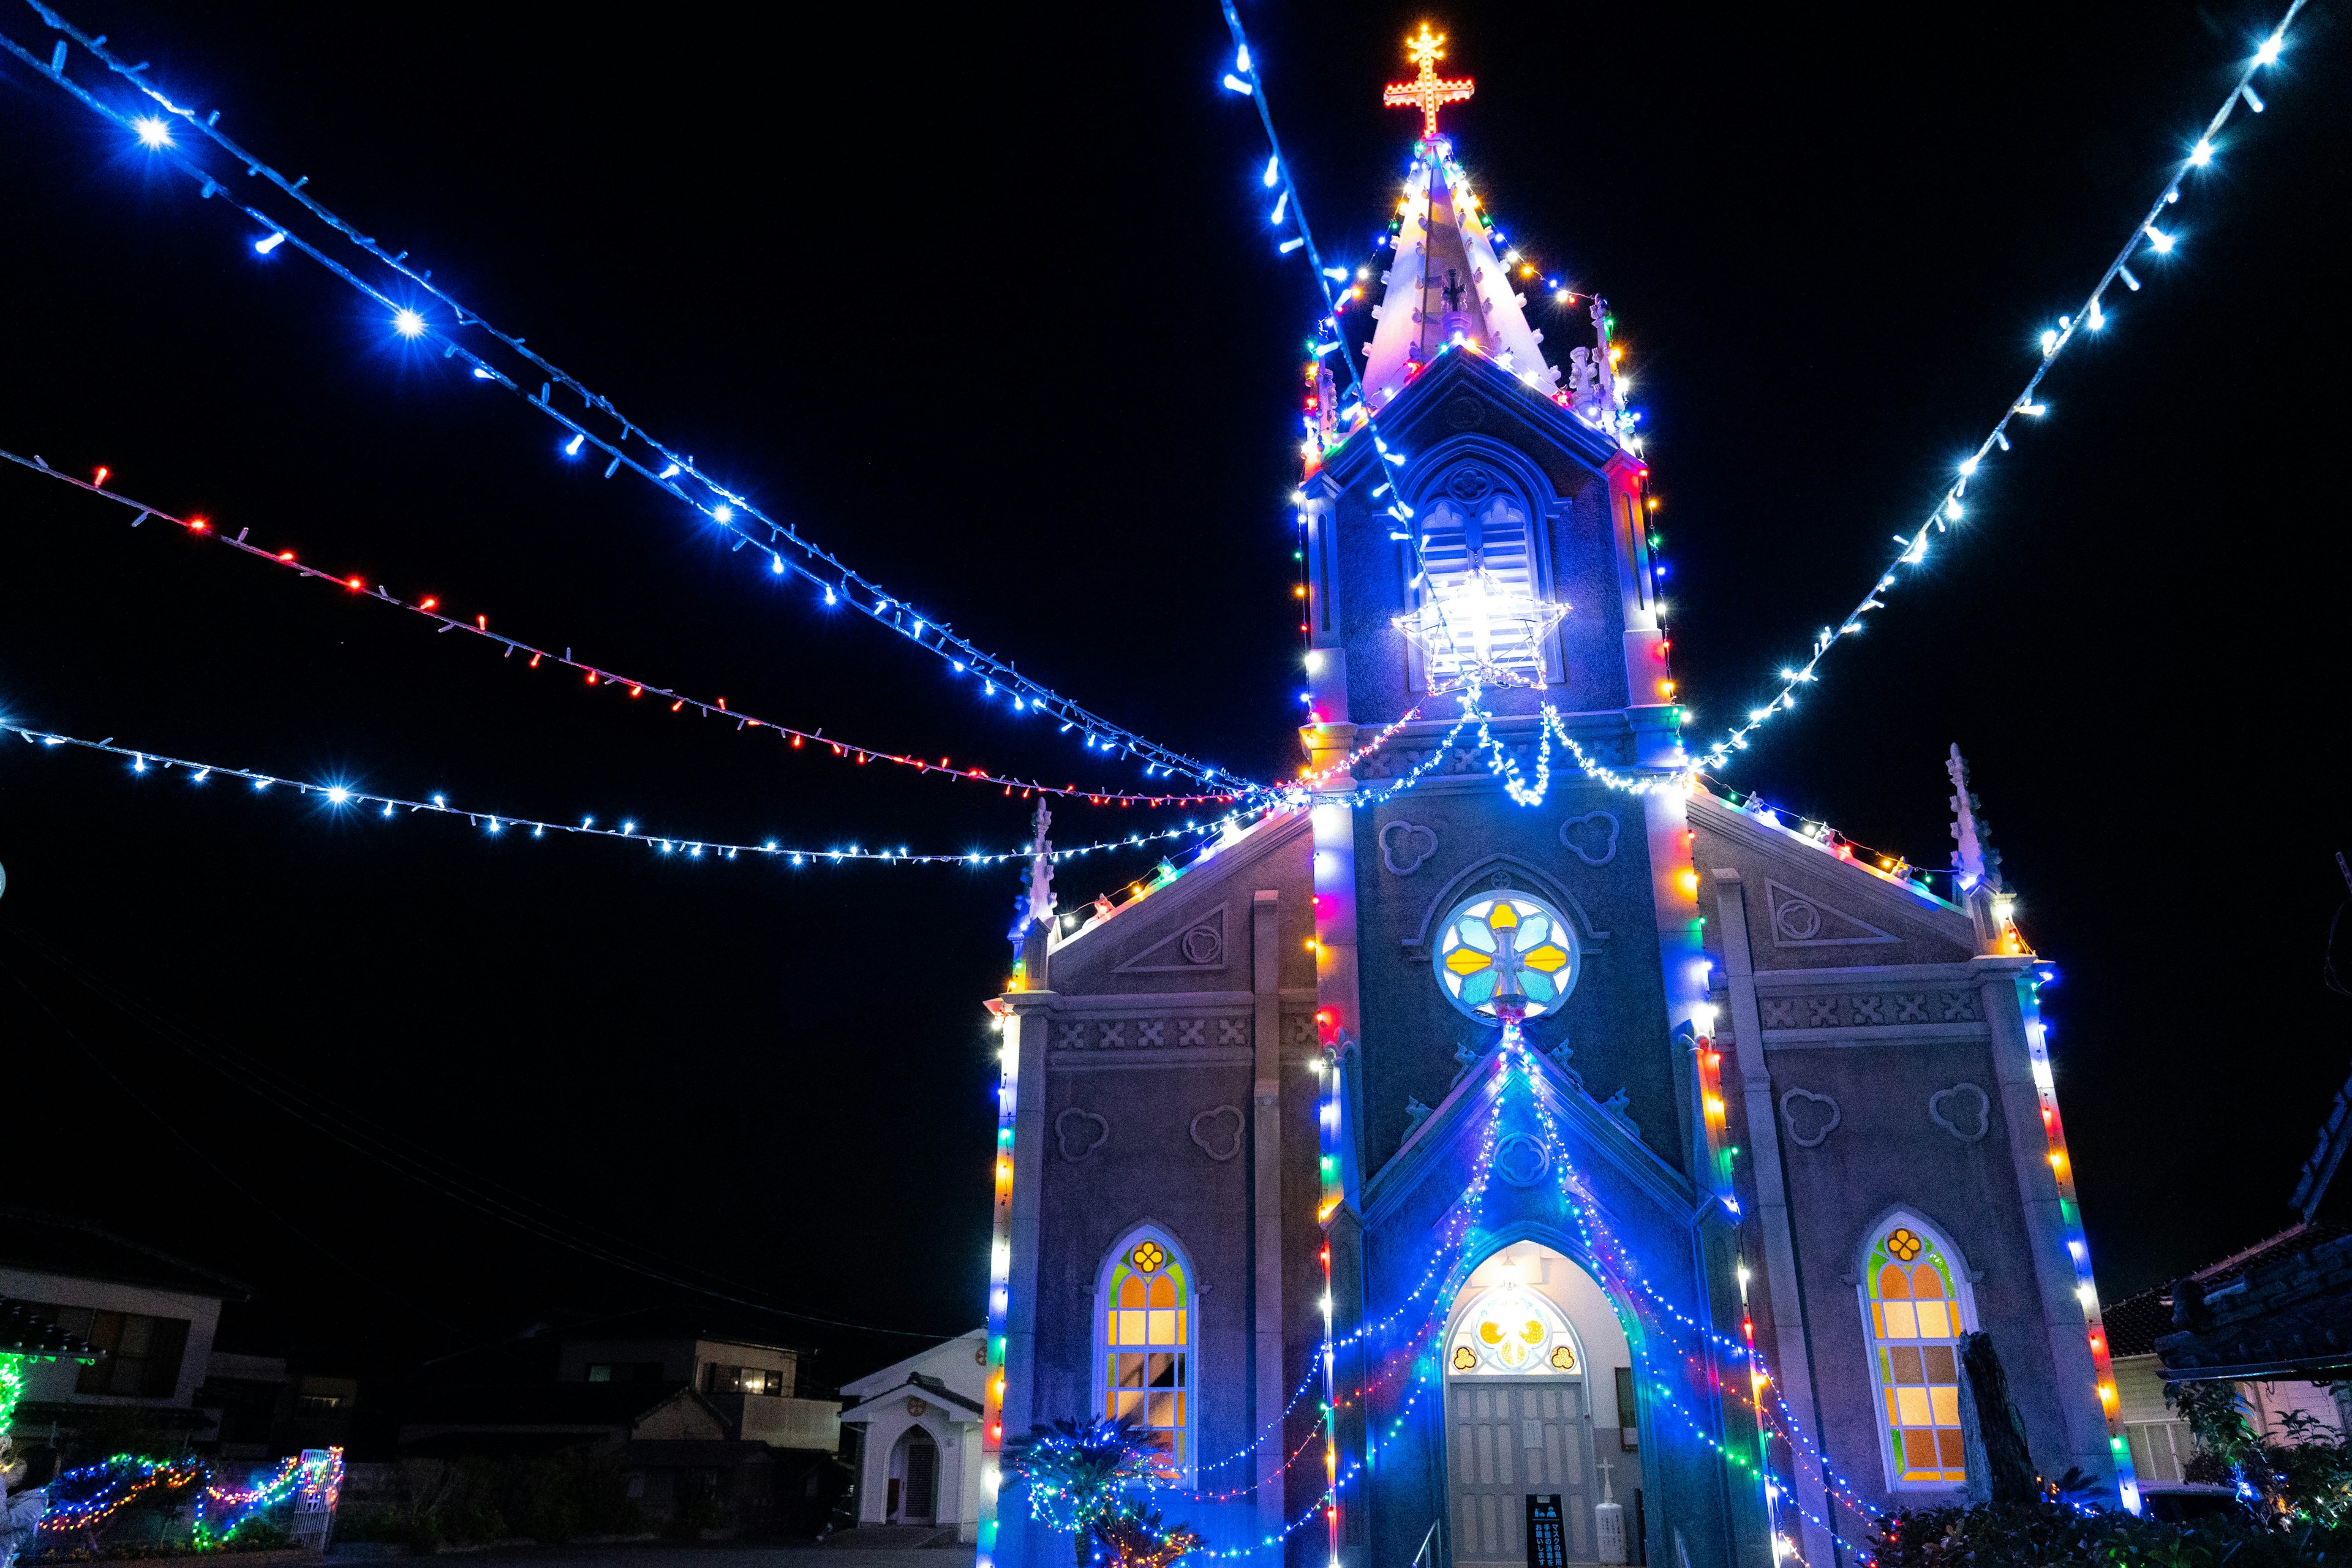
[[1503, 948]]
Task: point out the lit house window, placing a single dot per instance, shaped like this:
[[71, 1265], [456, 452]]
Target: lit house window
[[1914, 1326], [1147, 1345]]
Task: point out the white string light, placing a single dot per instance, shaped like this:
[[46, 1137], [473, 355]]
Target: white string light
[[1912, 548], [346, 797], [629, 445]]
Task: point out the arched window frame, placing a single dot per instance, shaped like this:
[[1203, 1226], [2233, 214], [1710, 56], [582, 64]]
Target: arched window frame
[[1183, 1343], [1527, 492], [1887, 1380]]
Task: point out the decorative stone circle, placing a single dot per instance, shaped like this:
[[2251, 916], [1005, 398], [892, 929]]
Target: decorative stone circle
[[1521, 1161], [1812, 1118], [1081, 1134], [1215, 1141], [1406, 846], [1464, 414], [1203, 944], [1964, 1111], [1797, 919], [1591, 838]]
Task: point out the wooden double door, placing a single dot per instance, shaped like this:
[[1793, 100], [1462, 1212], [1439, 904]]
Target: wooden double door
[[1508, 1439]]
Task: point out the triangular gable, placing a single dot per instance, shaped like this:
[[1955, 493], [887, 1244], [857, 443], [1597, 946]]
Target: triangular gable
[[684, 1416], [1200, 946], [1162, 918], [1589, 1131], [1804, 919], [1801, 869], [937, 1360]]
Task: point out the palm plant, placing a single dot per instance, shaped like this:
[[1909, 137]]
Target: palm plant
[[1091, 1483]]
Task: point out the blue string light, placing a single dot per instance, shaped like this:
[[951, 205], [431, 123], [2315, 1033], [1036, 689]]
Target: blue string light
[[628, 446], [341, 796]]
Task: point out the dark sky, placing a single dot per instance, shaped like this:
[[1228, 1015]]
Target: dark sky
[[985, 301]]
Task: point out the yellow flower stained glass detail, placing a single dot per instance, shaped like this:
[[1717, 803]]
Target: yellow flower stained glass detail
[[1511, 1331], [1502, 951], [1147, 1256]]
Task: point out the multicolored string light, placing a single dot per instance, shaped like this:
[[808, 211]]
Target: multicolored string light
[[348, 797], [430, 607], [424, 314]]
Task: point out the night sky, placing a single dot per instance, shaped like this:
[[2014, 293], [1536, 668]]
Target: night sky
[[985, 301]]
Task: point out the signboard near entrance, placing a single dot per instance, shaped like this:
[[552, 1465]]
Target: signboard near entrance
[[1547, 1532]]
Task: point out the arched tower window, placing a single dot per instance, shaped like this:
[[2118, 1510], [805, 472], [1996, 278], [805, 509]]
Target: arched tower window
[[1917, 1308], [1477, 545], [1145, 1323]]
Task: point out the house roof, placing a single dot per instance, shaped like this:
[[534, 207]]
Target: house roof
[[52, 1244], [2284, 1309], [887, 1380], [24, 1332], [2137, 1323], [928, 1388]]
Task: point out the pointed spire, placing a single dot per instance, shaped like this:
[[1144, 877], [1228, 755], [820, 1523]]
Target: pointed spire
[[1445, 284], [1975, 860], [1981, 890], [1041, 868]]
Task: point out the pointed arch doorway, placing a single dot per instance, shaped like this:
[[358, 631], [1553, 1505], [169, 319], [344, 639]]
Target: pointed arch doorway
[[1539, 1399]]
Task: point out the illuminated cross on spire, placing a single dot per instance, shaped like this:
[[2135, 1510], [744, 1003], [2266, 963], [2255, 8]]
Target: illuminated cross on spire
[[1428, 91]]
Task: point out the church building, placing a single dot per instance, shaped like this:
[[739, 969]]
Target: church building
[[1506, 1151]]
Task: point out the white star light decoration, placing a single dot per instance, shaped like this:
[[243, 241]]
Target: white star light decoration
[[1482, 634]]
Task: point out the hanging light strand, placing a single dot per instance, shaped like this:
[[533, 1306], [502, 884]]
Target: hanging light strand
[[1245, 79], [620, 438], [347, 796], [2147, 237], [430, 607]]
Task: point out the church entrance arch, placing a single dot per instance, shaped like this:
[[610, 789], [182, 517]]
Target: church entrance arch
[[1537, 1368]]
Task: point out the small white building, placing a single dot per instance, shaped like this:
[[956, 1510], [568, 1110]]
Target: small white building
[[917, 1421]]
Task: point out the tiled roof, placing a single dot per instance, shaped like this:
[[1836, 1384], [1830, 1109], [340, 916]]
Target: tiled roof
[[41, 1243], [2137, 1323], [2286, 1313]]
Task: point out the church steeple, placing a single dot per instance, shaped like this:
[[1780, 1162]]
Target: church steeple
[[1446, 284]]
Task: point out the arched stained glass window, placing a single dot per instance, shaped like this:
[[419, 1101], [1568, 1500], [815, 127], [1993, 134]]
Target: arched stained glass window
[[1915, 1311], [1146, 1329]]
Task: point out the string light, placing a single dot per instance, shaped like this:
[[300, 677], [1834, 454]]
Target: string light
[[623, 440], [429, 606], [498, 823], [2054, 342]]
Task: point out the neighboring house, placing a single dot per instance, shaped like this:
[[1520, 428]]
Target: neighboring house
[[151, 1316], [696, 1415], [918, 1431], [265, 1409], [2160, 1442]]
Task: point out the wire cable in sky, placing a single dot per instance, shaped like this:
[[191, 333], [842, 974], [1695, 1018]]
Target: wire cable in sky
[[410, 314], [436, 1171]]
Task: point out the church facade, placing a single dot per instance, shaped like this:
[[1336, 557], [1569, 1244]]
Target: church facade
[[1513, 1153]]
